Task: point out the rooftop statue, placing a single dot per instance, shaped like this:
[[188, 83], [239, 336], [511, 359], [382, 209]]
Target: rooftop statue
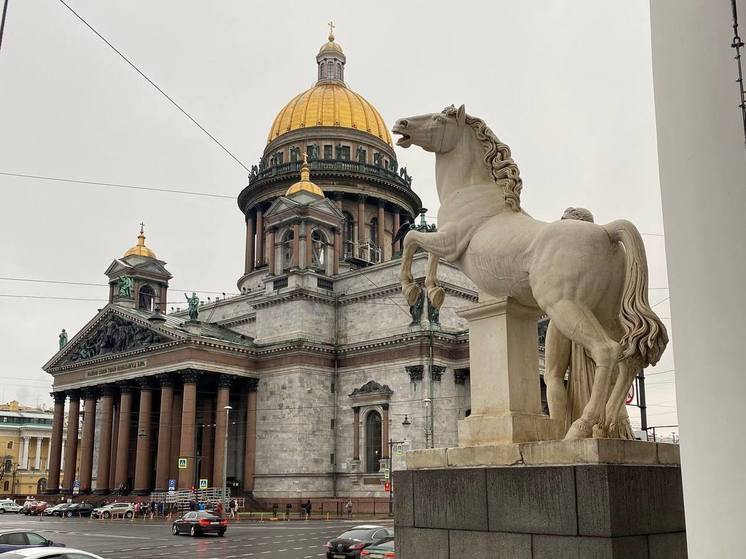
[[193, 303], [63, 338], [124, 286], [591, 280]]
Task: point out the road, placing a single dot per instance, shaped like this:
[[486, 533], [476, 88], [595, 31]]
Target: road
[[152, 539]]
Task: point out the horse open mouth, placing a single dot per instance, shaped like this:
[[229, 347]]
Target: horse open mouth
[[405, 141]]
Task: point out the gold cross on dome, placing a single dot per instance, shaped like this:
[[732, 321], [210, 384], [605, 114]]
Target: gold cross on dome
[[142, 228], [331, 29]]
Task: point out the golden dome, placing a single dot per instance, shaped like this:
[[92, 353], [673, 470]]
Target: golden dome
[[305, 184], [331, 46], [140, 249], [329, 104]]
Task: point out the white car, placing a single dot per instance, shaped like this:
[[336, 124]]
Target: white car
[[48, 553], [7, 505], [116, 510]]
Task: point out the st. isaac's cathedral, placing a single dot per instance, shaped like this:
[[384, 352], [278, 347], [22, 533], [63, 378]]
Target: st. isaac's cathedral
[[327, 371]]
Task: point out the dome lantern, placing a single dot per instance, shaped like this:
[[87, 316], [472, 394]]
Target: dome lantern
[[305, 184], [140, 249], [331, 61]]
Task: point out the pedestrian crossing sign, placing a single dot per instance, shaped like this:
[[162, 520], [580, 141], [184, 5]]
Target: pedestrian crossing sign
[[182, 463], [203, 484]]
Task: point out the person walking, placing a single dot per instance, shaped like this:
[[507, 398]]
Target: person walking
[[348, 508], [232, 508], [307, 509]]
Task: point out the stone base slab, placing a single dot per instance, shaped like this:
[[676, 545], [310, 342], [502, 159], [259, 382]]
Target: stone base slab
[[598, 511], [585, 451], [507, 428]]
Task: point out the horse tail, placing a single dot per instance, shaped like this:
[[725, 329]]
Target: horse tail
[[645, 336]]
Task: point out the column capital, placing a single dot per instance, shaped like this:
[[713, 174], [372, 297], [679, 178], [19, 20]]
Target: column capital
[[125, 387], [145, 383], [107, 390], [59, 396], [190, 376], [225, 381], [73, 395], [90, 393], [251, 384], [361, 197], [381, 203], [166, 380]]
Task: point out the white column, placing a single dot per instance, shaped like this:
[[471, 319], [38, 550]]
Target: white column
[[62, 459], [37, 459], [24, 452], [49, 451], [702, 168]]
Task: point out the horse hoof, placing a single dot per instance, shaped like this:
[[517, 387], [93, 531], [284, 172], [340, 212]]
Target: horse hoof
[[436, 296], [600, 432], [412, 293], [579, 430]]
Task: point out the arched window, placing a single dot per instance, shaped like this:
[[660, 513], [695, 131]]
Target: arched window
[[8, 466], [373, 442], [373, 235], [318, 248], [6, 486], [287, 249], [41, 486], [146, 298], [330, 69], [348, 236]]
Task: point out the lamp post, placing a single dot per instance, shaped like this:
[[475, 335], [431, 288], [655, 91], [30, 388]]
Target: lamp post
[[405, 423], [225, 455]]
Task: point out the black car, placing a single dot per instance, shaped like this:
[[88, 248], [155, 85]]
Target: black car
[[349, 544], [10, 540], [198, 523], [77, 509]]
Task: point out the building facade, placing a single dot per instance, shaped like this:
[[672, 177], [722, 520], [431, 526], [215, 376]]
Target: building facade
[[310, 379], [25, 438]]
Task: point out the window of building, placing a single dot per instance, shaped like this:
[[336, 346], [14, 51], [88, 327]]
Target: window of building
[[41, 486], [280, 157], [6, 486], [348, 235], [373, 442], [8, 466], [10, 444], [328, 154], [373, 235], [344, 153], [318, 248], [330, 69], [287, 249], [146, 298]]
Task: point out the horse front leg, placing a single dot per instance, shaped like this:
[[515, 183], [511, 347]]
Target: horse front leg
[[410, 290], [437, 245], [434, 292]]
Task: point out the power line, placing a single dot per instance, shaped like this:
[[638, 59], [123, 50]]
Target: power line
[[151, 82], [61, 282]]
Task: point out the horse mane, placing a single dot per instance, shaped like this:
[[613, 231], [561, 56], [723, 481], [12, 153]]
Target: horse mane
[[497, 157]]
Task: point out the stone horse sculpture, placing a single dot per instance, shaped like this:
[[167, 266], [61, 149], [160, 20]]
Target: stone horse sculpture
[[591, 280]]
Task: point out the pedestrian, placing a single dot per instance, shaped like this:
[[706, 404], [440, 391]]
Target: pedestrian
[[219, 508], [348, 508], [288, 510], [232, 508], [137, 508], [307, 509]]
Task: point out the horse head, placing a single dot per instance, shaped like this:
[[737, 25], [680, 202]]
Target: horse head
[[434, 132]]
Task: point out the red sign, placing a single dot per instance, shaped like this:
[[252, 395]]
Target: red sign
[[630, 395], [387, 486]]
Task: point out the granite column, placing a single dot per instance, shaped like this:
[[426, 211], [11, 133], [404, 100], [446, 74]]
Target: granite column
[[143, 456], [164, 433], [86, 442], [104, 446], [71, 452], [55, 444]]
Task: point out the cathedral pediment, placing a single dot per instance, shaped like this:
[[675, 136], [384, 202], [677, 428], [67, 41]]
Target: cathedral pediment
[[372, 389], [134, 264], [112, 332]]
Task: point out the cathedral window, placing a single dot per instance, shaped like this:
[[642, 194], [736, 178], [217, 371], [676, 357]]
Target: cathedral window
[[287, 249], [330, 70], [373, 235], [6, 486], [328, 152], [146, 298], [279, 158], [344, 153], [318, 247], [348, 232], [8, 465], [373, 442], [10, 444]]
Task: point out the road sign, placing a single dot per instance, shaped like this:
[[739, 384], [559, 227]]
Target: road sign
[[386, 474], [630, 395], [399, 450], [76, 487], [203, 484], [387, 486], [172, 485], [182, 463]]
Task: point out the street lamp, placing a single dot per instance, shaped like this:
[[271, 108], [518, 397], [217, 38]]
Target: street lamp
[[225, 454], [405, 423]]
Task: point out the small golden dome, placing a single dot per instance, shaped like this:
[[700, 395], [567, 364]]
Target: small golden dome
[[140, 249], [331, 46], [329, 104], [305, 184]]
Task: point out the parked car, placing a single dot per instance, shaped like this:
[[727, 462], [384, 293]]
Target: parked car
[[349, 544], [12, 540], [55, 510], [8, 505], [77, 509], [49, 553], [380, 550], [38, 507], [114, 509], [198, 523]]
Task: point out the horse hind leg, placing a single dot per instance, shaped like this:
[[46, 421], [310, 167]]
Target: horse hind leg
[[618, 426], [434, 292], [557, 350], [579, 324], [410, 289]]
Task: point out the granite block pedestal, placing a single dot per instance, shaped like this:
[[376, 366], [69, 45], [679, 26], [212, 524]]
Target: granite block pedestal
[[597, 498]]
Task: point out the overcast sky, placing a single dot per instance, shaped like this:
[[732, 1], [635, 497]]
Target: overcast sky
[[566, 84]]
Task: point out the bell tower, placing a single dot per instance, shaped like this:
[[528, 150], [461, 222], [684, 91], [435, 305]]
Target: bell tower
[[331, 61], [139, 280]]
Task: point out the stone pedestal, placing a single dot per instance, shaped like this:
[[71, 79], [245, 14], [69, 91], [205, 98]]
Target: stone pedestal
[[504, 376], [595, 499]]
